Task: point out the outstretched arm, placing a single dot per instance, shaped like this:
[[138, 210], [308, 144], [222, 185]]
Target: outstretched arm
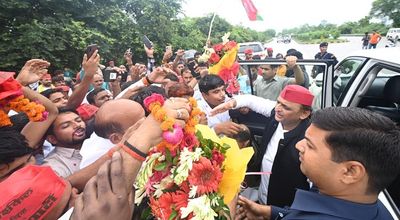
[[90, 66], [31, 72]]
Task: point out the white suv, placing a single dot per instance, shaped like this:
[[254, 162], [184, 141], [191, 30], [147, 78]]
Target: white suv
[[393, 34], [257, 48]]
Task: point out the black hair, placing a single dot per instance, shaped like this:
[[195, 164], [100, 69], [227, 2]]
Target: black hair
[[209, 82], [58, 72], [61, 110], [48, 92], [92, 94], [12, 145], [357, 134], [57, 78], [145, 92], [19, 121], [256, 57], [172, 77]]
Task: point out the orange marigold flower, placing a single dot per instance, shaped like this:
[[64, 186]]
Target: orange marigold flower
[[193, 102], [191, 122], [195, 112], [154, 104], [167, 124], [190, 129], [154, 107], [160, 114], [4, 119]]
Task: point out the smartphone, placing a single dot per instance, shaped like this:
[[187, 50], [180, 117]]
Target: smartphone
[[109, 75], [91, 49], [147, 42]]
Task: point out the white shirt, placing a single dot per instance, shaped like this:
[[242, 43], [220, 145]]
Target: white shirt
[[93, 148], [264, 107], [268, 161], [216, 119]]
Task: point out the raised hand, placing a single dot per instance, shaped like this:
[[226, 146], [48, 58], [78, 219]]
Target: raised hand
[[150, 132], [180, 53], [32, 71], [105, 195], [158, 75], [149, 52], [90, 65], [291, 61], [227, 128]]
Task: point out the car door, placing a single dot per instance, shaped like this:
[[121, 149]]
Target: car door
[[366, 83]]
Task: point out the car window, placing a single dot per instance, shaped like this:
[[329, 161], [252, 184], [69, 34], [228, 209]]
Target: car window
[[343, 75], [254, 47]]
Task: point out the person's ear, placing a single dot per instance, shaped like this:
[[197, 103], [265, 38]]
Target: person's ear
[[3, 169], [352, 172], [115, 138], [305, 114], [52, 139]]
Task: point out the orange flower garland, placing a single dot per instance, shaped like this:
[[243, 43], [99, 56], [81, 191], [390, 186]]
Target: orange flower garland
[[33, 110], [154, 104]]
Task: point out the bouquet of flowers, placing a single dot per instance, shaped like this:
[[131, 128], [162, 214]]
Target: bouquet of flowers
[[191, 174], [11, 98], [222, 61]]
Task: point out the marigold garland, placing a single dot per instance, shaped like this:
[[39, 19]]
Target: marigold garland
[[34, 111], [154, 104]]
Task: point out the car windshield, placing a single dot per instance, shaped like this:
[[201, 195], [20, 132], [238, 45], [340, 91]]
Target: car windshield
[[254, 47]]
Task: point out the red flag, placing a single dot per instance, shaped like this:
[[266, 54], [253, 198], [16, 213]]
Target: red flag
[[251, 10]]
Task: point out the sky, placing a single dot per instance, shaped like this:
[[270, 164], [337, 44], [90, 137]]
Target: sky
[[282, 14]]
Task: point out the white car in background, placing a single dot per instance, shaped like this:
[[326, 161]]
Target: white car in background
[[257, 48], [393, 34]]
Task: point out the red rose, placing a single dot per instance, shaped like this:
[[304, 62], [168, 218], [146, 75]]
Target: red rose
[[189, 141], [218, 47], [153, 98], [228, 46], [214, 58], [217, 157]]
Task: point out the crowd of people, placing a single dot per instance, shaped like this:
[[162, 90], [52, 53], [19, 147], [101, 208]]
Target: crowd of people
[[88, 148]]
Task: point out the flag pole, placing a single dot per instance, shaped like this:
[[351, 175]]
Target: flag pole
[[209, 31]]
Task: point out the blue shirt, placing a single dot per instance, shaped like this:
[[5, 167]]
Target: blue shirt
[[313, 205]]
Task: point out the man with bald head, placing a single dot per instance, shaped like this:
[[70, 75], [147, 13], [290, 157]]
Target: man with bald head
[[111, 122]]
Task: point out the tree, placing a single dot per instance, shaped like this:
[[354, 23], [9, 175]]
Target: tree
[[387, 8]]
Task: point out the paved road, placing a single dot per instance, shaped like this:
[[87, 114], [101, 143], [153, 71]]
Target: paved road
[[340, 50]]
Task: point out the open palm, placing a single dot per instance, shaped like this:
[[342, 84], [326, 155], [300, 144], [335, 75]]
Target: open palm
[[32, 71]]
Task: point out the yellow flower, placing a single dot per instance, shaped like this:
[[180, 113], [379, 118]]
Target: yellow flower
[[226, 61], [235, 163]]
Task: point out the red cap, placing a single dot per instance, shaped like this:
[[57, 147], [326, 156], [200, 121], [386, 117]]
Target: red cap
[[248, 51], [297, 94], [9, 87], [86, 111], [30, 193], [270, 49], [62, 88]]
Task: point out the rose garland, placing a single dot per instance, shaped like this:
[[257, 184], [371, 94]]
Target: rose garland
[[34, 111]]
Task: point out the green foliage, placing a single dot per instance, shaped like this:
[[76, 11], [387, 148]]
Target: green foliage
[[60, 30], [387, 8]]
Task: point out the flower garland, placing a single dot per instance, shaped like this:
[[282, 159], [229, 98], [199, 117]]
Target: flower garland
[[185, 176], [222, 60], [12, 99]]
